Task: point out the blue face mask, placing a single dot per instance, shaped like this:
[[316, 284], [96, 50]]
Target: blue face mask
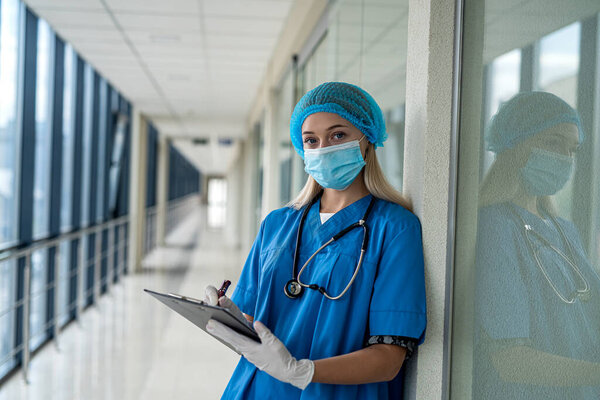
[[546, 172], [334, 167]]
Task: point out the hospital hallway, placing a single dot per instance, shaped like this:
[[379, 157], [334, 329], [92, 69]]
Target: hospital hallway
[[421, 176], [130, 346]]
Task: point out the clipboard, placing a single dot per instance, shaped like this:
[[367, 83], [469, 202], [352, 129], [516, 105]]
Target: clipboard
[[198, 312]]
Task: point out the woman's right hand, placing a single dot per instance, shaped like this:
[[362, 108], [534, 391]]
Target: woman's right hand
[[211, 297]]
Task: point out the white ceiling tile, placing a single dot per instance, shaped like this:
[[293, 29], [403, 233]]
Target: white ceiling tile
[[186, 51], [100, 49], [83, 34], [158, 23], [73, 19], [39, 5], [182, 7], [243, 55], [149, 38], [241, 41], [251, 27], [246, 8]]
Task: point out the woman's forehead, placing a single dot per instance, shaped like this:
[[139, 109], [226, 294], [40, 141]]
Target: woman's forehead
[[324, 120], [565, 131]]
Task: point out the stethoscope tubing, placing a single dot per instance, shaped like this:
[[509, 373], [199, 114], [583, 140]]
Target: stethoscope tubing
[[363, 248]]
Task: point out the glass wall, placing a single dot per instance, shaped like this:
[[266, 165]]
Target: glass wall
[[364, 44], [184, 178], [102, 150], [217, 202], [88, 110], [11, 24], [526, 317], [43, 128], [38, 312], [285, 105], [68, 137], [8, 281], [65, 132]]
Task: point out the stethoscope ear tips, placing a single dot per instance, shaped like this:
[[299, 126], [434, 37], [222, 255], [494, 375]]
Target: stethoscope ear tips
[[292, 289]]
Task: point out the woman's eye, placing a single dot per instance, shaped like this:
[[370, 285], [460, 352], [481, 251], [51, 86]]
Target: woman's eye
[[339, 135], [310, 141]]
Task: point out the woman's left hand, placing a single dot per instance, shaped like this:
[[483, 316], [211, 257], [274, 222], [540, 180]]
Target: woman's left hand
[[270, 355]]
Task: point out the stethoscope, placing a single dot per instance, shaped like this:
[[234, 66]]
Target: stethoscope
[[294, 287], [584, 293]]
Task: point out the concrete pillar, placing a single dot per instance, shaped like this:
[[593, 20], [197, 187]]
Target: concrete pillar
[[271, 167], [162, 189], [248, 193], [137, 189], [233, 224], [428, 180]]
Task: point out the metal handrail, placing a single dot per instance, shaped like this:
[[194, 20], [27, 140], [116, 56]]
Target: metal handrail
[[20, 251], [82, 263]]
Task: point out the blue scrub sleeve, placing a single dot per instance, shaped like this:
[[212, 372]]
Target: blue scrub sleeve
[[398, 302], [246, 290], [501, 300]]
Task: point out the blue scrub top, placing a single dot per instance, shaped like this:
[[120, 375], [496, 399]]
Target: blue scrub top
[[387, 297], [515, 304]]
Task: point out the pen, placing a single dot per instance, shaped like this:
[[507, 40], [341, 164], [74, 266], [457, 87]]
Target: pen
[[224, 287]]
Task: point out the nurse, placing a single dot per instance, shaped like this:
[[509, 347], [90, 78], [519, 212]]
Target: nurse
[[337, 320], [537, 324]]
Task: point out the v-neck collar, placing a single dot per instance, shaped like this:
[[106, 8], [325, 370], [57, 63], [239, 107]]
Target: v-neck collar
[[338, 221]]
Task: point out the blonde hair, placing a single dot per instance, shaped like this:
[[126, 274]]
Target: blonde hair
[[375, 182], [502, 183]]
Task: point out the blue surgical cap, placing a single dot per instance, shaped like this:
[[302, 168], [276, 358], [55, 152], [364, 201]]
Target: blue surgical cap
[[349, 102], [526, 114]]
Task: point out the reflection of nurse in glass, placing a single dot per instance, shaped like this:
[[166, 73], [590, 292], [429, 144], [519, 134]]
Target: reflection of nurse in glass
[[337, 318], [537, 324]]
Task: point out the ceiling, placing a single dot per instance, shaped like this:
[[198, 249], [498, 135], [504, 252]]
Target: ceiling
[[192, 66]]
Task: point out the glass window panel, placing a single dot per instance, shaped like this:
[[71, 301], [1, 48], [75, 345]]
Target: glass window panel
[[68, 137], [503, 82], [8, 284], [102, 143], [88, 109], [11, 12], [43, 128], [366, 46], [559, 62], [284, 104], [217, 202], [64, 279], [39, 292], [526, 286]]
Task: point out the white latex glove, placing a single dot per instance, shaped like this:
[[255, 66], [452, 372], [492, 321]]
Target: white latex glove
[[270, 355], [211, 297]]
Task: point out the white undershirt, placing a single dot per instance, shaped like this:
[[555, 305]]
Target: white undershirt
[[325, 217]]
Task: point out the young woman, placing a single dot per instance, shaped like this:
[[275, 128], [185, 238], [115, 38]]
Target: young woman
[[537, 319], [338, 317]]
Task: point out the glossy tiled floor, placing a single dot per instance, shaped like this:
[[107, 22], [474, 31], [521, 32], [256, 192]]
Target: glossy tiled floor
[[130, 346]]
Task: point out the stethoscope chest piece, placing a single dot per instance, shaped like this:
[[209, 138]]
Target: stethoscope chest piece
[[292, 289]]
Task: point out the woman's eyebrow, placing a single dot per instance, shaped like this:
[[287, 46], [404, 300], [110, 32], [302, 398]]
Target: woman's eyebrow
[[330, 128]]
